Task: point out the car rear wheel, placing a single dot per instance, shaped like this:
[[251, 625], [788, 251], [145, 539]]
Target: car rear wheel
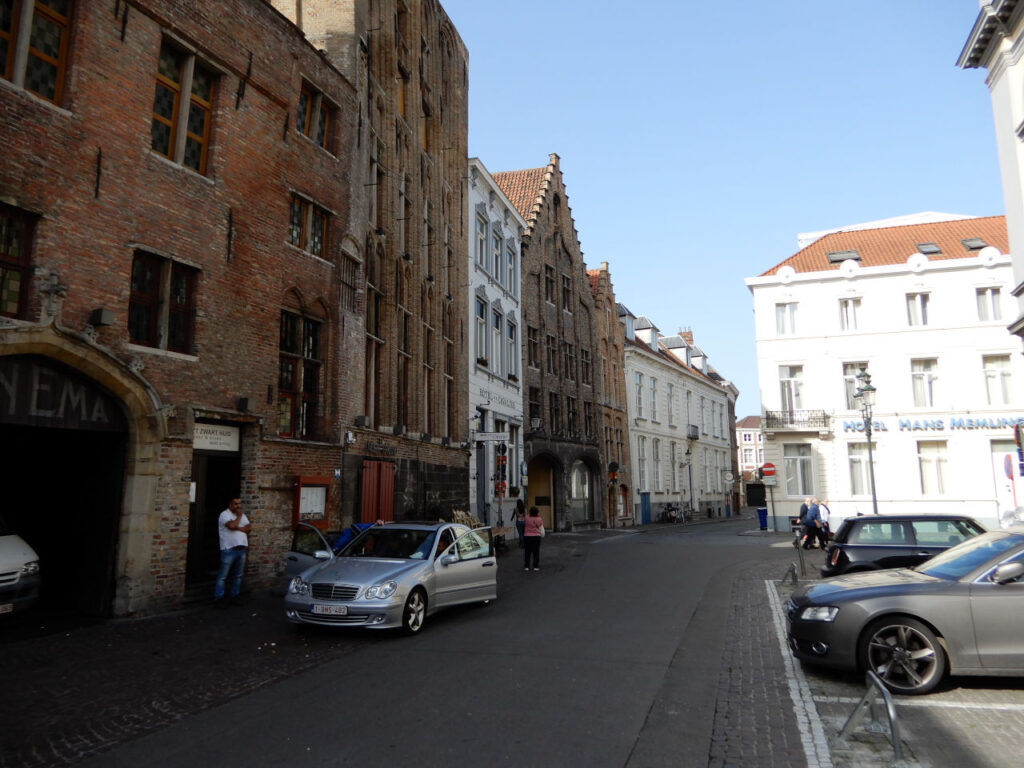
[[904, 653], [415, 612]]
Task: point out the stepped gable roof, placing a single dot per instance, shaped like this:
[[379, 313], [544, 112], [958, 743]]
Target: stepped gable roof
[[749, 422], [593, 275], [889, 246]]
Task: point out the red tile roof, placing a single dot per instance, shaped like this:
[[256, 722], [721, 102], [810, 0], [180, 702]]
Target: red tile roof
[[749, 422], [521, 187], [894, 245]]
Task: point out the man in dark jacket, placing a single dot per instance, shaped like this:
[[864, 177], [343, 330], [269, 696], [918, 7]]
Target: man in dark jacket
[[812, 526]]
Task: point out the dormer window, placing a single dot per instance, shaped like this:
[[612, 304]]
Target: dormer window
[[835, 257], [974, 243], [928, 249]]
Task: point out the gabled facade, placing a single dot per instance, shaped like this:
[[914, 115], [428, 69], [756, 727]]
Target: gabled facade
[[615, 454], [495, 363], [921, 308], [565, 476], [749, 458], [407, 457], [679, 425], [181, 282]]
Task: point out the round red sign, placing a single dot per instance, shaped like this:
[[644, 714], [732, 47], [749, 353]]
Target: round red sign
[[768, 470]]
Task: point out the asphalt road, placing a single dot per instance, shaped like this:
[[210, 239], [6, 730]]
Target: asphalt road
[[609, 656]]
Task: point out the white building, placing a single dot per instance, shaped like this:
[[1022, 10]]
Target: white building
[[996, 43], [495, 360], [749, 457], [679, 430], [922, 308]]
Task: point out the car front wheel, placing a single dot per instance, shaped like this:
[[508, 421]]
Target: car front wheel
[[904, 653], [415, 612]]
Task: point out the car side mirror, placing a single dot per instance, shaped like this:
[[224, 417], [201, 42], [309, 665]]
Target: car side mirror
[[323, 554], [1006, 573], [449, 559]]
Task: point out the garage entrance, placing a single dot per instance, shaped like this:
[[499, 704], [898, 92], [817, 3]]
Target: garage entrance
[[63, 478]]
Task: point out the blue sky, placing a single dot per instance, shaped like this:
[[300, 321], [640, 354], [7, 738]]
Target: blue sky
[[698, 138]]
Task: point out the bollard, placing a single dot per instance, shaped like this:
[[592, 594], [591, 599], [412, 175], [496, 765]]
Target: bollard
[[800, 554]]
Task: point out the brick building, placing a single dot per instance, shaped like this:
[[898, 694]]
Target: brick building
[[566, 474], [408, 455], [180, 262], [614, 418]]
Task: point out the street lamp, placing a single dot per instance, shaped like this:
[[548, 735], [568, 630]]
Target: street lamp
[[689, 472], [865, 396]]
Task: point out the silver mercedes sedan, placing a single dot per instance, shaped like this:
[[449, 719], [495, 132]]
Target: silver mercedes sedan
[[959, 613], [395, 575]]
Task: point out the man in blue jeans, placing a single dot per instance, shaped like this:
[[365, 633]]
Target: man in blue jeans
[[233, 529]]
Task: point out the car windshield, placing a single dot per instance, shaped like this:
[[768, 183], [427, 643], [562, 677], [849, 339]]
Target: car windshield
[[397, 543], [958, 561]]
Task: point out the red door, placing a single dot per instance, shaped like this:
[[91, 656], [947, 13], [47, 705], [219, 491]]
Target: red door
[[378, 500]]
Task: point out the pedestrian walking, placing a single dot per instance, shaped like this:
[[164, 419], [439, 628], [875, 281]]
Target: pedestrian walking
[[812, 525], [233, 528], [826, 530], [520, 520], [533, 532]]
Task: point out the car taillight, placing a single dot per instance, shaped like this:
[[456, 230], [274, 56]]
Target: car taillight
[[835, 556]]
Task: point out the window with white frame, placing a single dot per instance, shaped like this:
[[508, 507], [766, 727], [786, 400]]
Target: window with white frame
[[790, 385], [641, 462], [703, 415], [850, 373], [654, 398], [511, 349], [924, 375], [639, 382], [497, 331], [988, 304], [785, 318], [798, 468], [670, 403], [481, 332], [512, 271], [859, 469], [748, 455], [996, 369], [673, 467], [496, 249], [656, 462], [760, 456], [848, 309], [931, 458], [917, 309], [481, 242]]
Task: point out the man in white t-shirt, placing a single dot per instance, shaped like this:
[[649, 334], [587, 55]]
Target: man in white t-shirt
[[233, 529]]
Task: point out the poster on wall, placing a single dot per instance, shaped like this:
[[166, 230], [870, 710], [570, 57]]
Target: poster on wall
[[310, 504]]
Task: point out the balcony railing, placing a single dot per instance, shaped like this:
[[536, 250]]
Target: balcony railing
[[796, 420]]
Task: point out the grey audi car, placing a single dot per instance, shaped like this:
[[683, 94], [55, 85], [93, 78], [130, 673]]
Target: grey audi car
[[394, 575], [959, 613]]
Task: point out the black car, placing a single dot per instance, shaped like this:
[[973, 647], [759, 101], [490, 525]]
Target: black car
[[873, 542]]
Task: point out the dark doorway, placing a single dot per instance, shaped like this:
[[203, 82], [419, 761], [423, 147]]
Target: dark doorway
[[63, 492], [755, 495], [217, 477]]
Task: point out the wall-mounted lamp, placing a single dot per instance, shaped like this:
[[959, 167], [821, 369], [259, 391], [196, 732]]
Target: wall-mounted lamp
[[349, 438]]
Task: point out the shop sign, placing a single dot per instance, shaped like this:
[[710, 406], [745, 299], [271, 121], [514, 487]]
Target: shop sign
[[215, 437], [37, 391]]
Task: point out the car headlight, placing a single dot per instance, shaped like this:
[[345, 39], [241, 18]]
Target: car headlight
[[819, 613], [30, 569], [382, 591], [298, 587]]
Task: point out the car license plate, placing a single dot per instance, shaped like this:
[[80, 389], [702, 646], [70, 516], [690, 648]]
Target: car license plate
[[331, 610], [7, 608]]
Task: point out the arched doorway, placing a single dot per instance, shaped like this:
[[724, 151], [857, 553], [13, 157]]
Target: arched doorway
[[65, 440], [581, 492]]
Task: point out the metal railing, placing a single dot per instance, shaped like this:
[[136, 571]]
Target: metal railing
[[795, 420], [867, 704]]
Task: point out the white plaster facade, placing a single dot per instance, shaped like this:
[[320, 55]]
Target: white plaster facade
[[495, 356], [996, 43], [946, 399], [679, 428], [749, 452]]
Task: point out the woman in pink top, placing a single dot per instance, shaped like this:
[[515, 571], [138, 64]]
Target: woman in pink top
[[533, 529]]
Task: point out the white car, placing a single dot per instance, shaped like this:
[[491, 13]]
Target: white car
[[19, 571], [395, 575]]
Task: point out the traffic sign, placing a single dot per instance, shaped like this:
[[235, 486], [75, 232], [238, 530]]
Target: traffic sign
[[768, 470]]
